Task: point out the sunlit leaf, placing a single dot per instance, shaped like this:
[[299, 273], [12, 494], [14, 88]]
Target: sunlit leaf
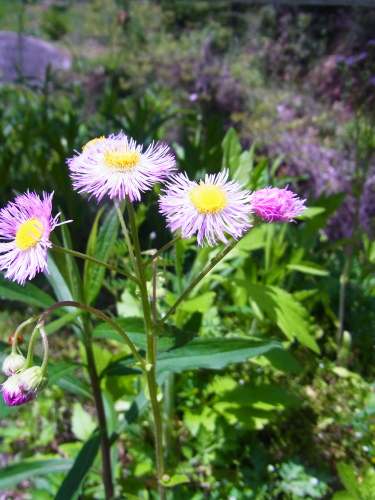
[[281, 307], [213, 353]]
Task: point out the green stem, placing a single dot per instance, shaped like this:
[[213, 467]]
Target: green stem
[[19, 329], [30, 351], [46, 349], [215, 260], [126, 234], [150, 352], [99, 314], [59, 249], [161, 250]]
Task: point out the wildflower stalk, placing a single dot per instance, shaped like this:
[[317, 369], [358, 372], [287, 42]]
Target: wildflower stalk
[[126, 234], [19, 329], [150, 351], [161, 250], [59, 249], [214, 261]]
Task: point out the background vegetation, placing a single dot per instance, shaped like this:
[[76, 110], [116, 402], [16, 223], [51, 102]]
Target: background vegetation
[[280, 95]]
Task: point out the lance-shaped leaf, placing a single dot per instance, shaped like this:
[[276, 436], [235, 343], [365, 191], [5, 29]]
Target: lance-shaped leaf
[[13, 474], [29, 294], [70, 487], [214, 353]]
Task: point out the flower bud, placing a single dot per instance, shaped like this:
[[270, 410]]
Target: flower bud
[[13, 364], [24, 387], [276, 205], [33, 380]]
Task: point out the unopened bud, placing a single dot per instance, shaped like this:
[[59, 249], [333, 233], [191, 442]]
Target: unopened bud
[[24, 387], [13, 364]]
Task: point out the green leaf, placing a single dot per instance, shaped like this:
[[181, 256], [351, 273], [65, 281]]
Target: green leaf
[[57, 279], [245, 167], [282, 360], [175, 479], [70, 487], [231, 151], [202, 303], [57, 371], [348, 478], [170, 338], [99, 246], [11, 475], [264, 397], [69, 265], [82, 422], [28, 293], [309, 268], [74, 385], [344, 495], [213, 353], [281, 307]]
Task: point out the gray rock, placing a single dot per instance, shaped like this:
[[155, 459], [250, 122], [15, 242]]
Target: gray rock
[[28, 57]]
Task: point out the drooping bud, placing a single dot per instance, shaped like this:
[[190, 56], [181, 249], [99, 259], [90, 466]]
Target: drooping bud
[[13, 364], [24, 387]]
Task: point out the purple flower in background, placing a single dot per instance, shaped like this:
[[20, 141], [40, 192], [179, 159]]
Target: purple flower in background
[[277, 205], [372, 80], [354, 59], [208, 209], [116, 166], [25, 227]]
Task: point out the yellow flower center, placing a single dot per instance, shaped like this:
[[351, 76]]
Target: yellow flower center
[[93, 141], [121, 159], [208, 198], [29, 234]]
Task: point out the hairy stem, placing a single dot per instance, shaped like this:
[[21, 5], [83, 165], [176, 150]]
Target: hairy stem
[[214, 261], [161, 250], [150, 353]]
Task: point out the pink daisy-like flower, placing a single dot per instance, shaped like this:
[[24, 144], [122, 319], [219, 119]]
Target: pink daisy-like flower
[[277, 205], [25, 227], [208, 209], [116, 166]]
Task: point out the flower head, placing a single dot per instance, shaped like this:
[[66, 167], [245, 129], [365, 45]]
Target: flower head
[[25, 227], [209, 208], [24, 387], [117, 166], [277, 205], [13, 364]]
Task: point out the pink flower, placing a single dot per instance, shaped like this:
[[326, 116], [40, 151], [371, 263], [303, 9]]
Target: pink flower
[[117, 166], [24, 387], [208, 209], [25, 227], [277, 205]]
